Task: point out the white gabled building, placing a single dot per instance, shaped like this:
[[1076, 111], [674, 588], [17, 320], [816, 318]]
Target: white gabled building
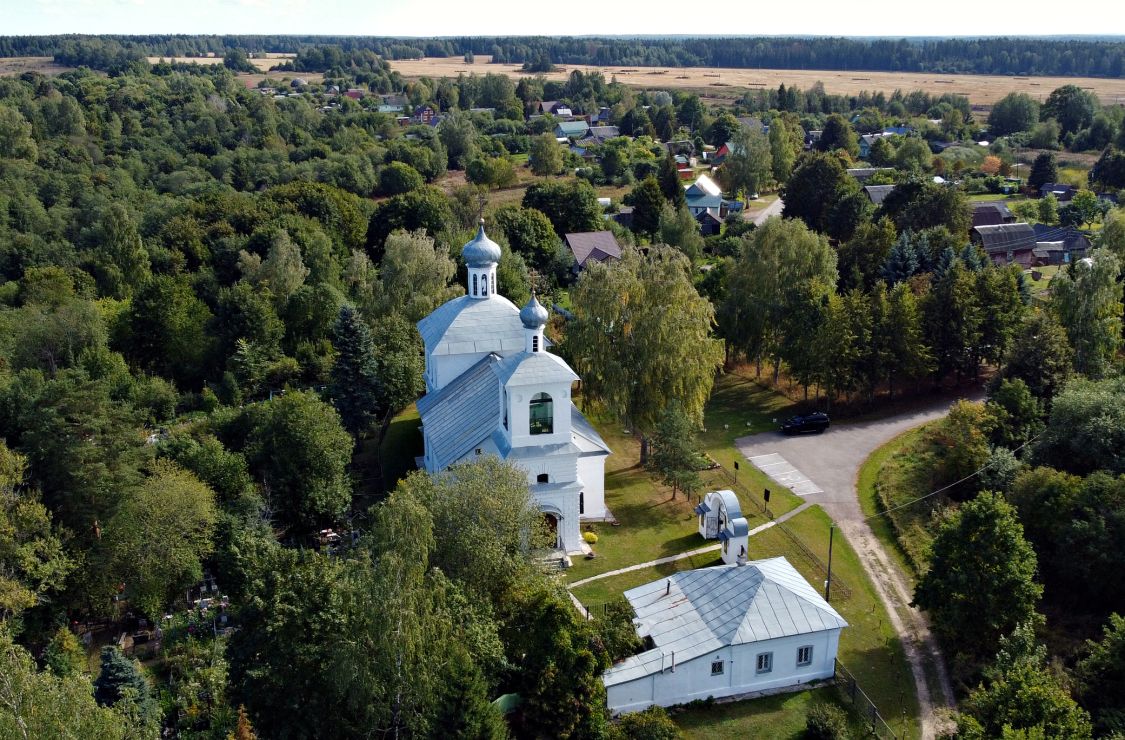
[[492, 388], [725, 631]]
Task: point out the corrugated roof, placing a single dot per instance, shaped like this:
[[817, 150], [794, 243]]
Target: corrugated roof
[[1001, 237], [699, 611], [598, 245], [462, 414], [466, 325]]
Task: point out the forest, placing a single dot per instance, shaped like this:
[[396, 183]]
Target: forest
[[995, 56], [207, 305]]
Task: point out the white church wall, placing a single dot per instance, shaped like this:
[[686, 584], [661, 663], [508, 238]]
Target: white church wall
[[591, 471], [519, 414], [448, 368]]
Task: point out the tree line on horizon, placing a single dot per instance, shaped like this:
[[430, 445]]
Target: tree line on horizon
[[1003, 56]]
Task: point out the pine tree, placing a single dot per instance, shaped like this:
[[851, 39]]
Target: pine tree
[[675, 453], [355, 388], [669, 180], [1043, 171], [902, 264], [121, 681]]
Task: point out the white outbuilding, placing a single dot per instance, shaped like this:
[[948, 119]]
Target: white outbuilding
[[720, 518], [725, 631]]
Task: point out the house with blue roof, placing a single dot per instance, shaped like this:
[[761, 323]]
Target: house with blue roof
[[704, 196], [493, 388]]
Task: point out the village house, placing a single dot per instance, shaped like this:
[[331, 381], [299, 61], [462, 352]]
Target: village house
[[877, 193], [704, 196], [599, 246], [600, 134], [1006, 243], [863, 174], [1063, 193], [729, 630], [493, 388], [1057, 245], [424, 114], [991, 213], [571, 129]]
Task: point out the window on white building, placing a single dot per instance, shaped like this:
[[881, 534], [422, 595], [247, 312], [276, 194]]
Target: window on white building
[[765, 662], [542, 478], [474, 284], [804, 655], [716, 668], [542, 414], [581, 502]]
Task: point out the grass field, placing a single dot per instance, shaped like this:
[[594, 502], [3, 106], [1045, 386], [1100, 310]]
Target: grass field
[[780, 717], [12, 66], [981, 89]]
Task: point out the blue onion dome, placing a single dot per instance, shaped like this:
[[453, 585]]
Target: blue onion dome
[[533, 315], [481, 251]]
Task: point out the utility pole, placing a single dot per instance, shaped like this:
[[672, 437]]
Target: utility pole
[[828, 583]]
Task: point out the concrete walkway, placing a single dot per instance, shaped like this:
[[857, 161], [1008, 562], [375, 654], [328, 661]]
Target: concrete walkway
[[773, 209], [689, 553]]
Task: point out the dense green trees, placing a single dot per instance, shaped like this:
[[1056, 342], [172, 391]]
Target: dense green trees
[[1087, 300], [980, 584], [571, 206], [641, 336], [1013, 113]]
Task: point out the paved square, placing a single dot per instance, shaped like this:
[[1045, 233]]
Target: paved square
[[777, 468]]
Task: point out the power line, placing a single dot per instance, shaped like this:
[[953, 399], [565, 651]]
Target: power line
[[951, 485]]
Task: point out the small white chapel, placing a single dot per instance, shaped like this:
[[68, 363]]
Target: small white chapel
[[493, 388]]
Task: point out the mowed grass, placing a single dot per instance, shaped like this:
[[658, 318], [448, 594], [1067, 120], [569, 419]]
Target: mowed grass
[[652, 524], [869, 646], [779, 717]]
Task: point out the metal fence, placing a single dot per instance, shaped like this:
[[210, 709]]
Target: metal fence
[[862, 706]]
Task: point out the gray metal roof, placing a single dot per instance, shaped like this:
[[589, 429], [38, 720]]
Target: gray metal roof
[[696, 612], [534, 368], [465, 325], [599, 245], [583, 428], [878, 192], [463, 413], [1002, 237]]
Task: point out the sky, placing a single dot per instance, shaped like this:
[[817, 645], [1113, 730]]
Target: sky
[[427, 18]]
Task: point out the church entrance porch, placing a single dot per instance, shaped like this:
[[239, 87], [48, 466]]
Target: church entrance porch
[[552, 522]]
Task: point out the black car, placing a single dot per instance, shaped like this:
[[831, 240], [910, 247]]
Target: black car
[[815, 422]]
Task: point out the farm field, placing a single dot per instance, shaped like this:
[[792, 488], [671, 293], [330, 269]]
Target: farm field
[[271, 59], [13, 66], [981, 89]]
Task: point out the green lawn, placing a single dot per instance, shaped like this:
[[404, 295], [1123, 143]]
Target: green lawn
[[1040, 285], [651, 524], [402, 443], [869, 500], [780, 717]]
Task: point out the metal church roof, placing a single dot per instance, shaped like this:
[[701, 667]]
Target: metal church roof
[[465, 325]]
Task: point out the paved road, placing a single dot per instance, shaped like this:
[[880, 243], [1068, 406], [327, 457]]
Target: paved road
[[773, 209], [831, 462]]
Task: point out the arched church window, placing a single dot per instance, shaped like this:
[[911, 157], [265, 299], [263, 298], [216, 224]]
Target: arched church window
[[492, 281], [535, 343], [474, 284], [542, 414], [543, 478], [484, 284]]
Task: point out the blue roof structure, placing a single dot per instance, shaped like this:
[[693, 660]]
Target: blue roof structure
[[462, 414]]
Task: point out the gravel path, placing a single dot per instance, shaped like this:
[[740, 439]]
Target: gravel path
[[831, 461]]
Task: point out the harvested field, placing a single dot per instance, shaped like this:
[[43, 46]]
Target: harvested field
[[12, 66], [981, 89], [270, 60]]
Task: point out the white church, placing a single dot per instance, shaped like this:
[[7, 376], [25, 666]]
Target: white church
[[493, 388]]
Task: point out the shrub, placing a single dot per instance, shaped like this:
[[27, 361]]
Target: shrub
[[826, 722], [651, 724], [590, 537]]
